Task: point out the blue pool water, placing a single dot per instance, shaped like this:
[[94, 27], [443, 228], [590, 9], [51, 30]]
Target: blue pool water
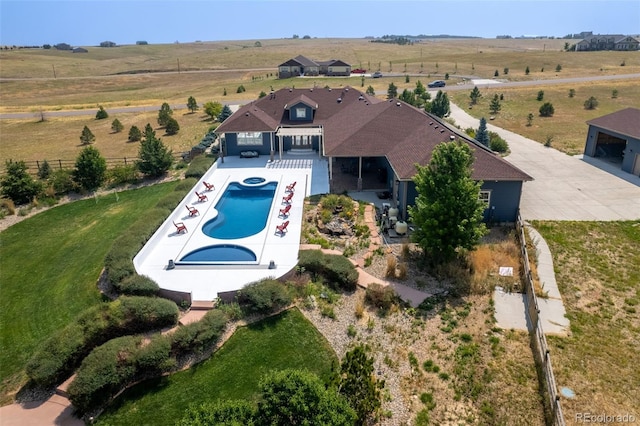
[[221, 253], [254, 180], [242, 211]]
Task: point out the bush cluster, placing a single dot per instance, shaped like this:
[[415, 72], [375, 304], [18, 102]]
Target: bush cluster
[[199, 166], [382, 297], [336, 269], [138, 285], [61, 353], [122, 361], [264, 296]]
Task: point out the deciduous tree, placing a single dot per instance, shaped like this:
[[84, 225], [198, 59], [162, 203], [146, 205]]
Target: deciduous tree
[[447, 211], [213, 109], [192, 104]]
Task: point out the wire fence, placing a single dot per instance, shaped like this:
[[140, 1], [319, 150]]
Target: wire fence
[[538, 339]]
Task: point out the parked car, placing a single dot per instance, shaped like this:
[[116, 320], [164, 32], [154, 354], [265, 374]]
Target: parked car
[[358, 71], [377, 74], [437, 83]]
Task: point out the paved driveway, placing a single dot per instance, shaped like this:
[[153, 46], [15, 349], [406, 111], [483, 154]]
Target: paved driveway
[[565, 187]]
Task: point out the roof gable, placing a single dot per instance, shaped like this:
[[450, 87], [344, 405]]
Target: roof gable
[[625, 121]]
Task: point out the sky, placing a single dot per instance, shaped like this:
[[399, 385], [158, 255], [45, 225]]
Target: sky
[[89, 22]]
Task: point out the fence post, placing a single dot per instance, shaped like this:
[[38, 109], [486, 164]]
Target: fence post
[[60, 163]]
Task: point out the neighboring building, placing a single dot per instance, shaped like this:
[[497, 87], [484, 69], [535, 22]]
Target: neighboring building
[[80, 50], [301, 65], [368, 138], [616, 136], [608, 42]]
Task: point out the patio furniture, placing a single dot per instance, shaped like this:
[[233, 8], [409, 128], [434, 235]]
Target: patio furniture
[[180, 226], [192, 211], [202, 197], [287, 198], [249, 154], [291, 187], [285, 211], [210, 186], [282, 229]]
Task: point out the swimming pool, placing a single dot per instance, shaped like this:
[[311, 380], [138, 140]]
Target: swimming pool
[[242, 211], [220, 253]]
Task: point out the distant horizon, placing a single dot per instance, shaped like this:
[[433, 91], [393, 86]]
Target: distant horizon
[[90, 22]]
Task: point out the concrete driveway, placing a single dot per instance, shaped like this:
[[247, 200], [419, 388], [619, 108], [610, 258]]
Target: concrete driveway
[[565, 187]]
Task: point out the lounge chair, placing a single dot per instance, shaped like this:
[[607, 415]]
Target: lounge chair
[[202, 197], [282, 229], [284, 212], [192, 211], [287, 198], [180, 226], [209, 186], [291, 187]]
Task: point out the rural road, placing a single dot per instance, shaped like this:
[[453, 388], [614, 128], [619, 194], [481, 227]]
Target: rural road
[[467, 86]]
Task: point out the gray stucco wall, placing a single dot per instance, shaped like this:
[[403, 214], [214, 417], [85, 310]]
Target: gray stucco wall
[[231, 147]]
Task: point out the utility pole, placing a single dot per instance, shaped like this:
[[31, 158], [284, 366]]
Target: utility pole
[[178, 65], [54, 70]]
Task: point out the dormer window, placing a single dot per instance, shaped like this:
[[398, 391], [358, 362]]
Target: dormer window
[[301, 112]]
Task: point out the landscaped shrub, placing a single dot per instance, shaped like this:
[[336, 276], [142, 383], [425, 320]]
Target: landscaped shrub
[[264, 296], [338, 271], [497, 144], [185, 185], [61, 354], [198, 336], [138, 285], [123, 174], [62, 181], [199, 166], [382, 297]]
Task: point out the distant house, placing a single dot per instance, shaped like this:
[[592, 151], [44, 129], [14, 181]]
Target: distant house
[[616, 136], [80, 50], [300, 66], [608, 42], [373, 142]]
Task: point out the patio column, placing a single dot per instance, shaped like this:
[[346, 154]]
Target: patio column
[[280, 146], [272, 151], [330, 172], [359, 173]]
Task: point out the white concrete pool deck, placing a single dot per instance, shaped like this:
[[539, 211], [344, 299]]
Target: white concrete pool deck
[[204, 282]]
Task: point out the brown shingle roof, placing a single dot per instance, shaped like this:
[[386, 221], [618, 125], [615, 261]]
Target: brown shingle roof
[[625, 121], [356, 124]]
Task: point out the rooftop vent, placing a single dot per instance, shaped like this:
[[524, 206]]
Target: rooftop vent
[[441, 130], [398, 104], [451, 137], [436, 126], [246, 113], [360, 97], [339, 100], [431, 123], [290, 90]]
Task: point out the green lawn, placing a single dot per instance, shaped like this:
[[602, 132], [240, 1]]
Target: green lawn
[[284, 341], [49, 265]]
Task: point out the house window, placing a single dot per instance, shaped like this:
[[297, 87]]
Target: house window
[[485, 197], [301, 112], [249, 138]]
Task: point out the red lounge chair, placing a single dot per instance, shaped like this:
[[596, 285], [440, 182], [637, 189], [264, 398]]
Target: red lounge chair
[[180, 227], [291, 187], [287, 198], [192, 211], [202, 197], [210, 186], [285, 211], [281, 229]]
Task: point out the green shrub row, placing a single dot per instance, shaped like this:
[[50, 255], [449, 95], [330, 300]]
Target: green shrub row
[[59, 355], [264, 296], [138, 285], [120, 362], [336, 269], [199, 166]]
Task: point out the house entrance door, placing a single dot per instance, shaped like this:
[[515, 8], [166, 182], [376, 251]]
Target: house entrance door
[[302, 142]]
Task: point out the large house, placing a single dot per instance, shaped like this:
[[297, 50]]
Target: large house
[[616, 136], [608, 42], [376, 142], [300, 66]]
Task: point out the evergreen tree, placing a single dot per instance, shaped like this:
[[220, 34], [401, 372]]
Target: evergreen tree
[[17, 184], [547, 110], [225, 113], [475, 95], [440, 105], [447, 211], [482, 135], [155, 157], [134, 134], [359, 385], [172, 126], [116, 126], [420, 89], [101, 114], [408, 96], [192, 104], [90, 170], [370, 91], [392, 91], [494, 106], [164, 114], [44, 171], [87, 137]]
